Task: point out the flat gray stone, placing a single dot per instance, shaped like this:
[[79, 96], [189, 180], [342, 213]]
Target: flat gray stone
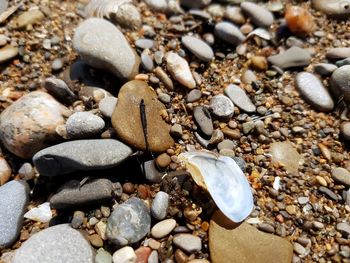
[[229, 33], [338, 53], [313, 91], [345, 129], [343, 62], [59, 89], [151, 172], [259, 15], [101, 45], [343, 227], [14, 198], [80, 155], [56, 244], [160, 205], [292, 57], [198, 48], [72, 195], [203, 119], [107, 106], [84, 125], [239, 98], [193, 95], [129, 222], [341, 175], [333, 8], [188, 242], [325, 69]]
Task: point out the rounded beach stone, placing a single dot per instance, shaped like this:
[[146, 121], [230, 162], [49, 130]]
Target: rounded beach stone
[[163, 228], [198, 47], [341, 175], [221, 107], [29, 124], [188, 242], [259, 15], [239, 98], [84, 125], [5, 171], [203, 119], [125, 255], [160, 205], [228, 32]]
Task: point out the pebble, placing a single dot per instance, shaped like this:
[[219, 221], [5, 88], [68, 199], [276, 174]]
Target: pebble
[[343, 62], [341, 175], [147, 62], [165, 98], [84, 125], [78, 219], [130, 129], [193, 96], [60, 90], [153, 257], [125, 255], [8, 52], [57, 64], [266, 228], [103, 256], [31, 17], [176, 130], [26, 171], [239, 98], [284, 153], [234, 14], [100, 44], [59, 243], [333, 8], [195, 3], [198, 48], [226, 144], [203, 119], [229, 33], [299, 20], [142, 254], [14, 197], [248, 77], [259, 63], [340, 79], [5, 171], [163, 228], [343, 227], [160, 204], [329, 193], [95, 240], [163, 160], [144, 43], [151, 172], [80, 155], [29, 124], [312, 89], [338, 53], [72, 195], [129, 222], [345, 130], [259, 15], [292, 57], [158, 5], [221, 107], [180, 70], [41, 213], [325, 69], [160, 73], [3, 38], [188, 242], [299, 249], [107, 106]]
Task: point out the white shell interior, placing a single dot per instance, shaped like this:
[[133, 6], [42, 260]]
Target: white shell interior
[[224, 180]]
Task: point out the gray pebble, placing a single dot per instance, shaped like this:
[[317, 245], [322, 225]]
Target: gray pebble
[[144, 43], [259, 15], [292, 57], [345, 130], [239, 98], [338, 53], [222, 107], [147, 62], [228, 32], [341, 175], [198, 47], [226, 144], [325, 69], [343, 228], [80, 155], [84, 125], [103, 256], [57, 64], [160, 205], [340, 80], [299, 249], [343, 62], [165, 98], [176, 130], [303, 200], [107, 106], [153, 257], [266, 228], [188, 242], [195, 3], [151, 172], [329, 193], [78, 219], [59, 89], [26, 171], [203, 119], [193, 96]]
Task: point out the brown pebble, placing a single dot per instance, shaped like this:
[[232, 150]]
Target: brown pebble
[[96, 240], [143, 191], [299, 20], [142, 254], [128, 188], [232, 133], [259, 63], [180, 256], [163, 160], [5, 171]]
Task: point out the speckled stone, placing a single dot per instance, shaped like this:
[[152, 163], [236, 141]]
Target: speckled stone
[[160, 205], [84, 125], [29, 124], [221, 107], [126, 119], [203, 119]]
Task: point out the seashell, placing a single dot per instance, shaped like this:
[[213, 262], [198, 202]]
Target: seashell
[[42, 213], [180, 70], [260, 32], [223, 179], [104, 8]]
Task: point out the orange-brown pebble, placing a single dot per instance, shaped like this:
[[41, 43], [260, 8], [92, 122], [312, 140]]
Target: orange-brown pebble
[[142, 254], [180, 256], [205, 226], [128, 188], [299, 20], [280, 218], [259, 63], [163, 160], [143, 191], [96, 240], [5, 171]]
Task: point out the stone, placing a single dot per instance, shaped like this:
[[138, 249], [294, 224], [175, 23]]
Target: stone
[[83, 155], [144, 43], [333, 8], [151, 172], [338, 53], [163, 228], [147, 61], [329, 193], [41, 213], [226, 144], [103, 256], [203, 119], [299, 20], [127, 16], [345, 129], [188, 243], [339, 82], [229, 33], [239, 98], [299, 249], [129, 222], [234, 14], [343, 62], [292, 57], [343, 227], [234, 245], [60, 90], [341, 175], [56, 244], [221, 107], [14, 197], [165, 98], [84, 125], [107, 106], [57, 64], [158, 5], [248, 77], [193, 95], [5, 171], [153, 257], [78, 219], [95, 240], [125, 255], [27, 18], [283, 153], [160, 204], [163, 160], [72, 195], [313, 91], [142, 254], [101, 45], [29, 124], [7, 53], [325, 69], [259, 63], [259, 15], [180, 70], [26, 171], [176, 130], [130, 129], [198, 48]]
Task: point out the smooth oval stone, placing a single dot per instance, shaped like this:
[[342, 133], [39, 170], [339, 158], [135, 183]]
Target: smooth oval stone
[[338, 53], [84, 125], [14, 198], [158, 5], [340, 80], [325, 69], [30, 17], [160, 205], [313, 91], [259, 15], [147, 62], [103, 256], [180, 70], [72, 194], [221, 107], [229, 33], [198, 48], [239, 98], [8, 52], [125, 255], [163, 228], [188, 242], [292, 57], [203, 119], [80, 155], [341, 175], [343, 62], [345, 129], [335, 8], [29, 124], [195, 3], [101, 45], [234, 14], [56, 244], [193, 96], [343, 227], [59, 89], [144, 43], [126, 119], [5, 171], [284, 153], [129, 222]]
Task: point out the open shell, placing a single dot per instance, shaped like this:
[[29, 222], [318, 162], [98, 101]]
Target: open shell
[[223, 179], [104, 8]]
